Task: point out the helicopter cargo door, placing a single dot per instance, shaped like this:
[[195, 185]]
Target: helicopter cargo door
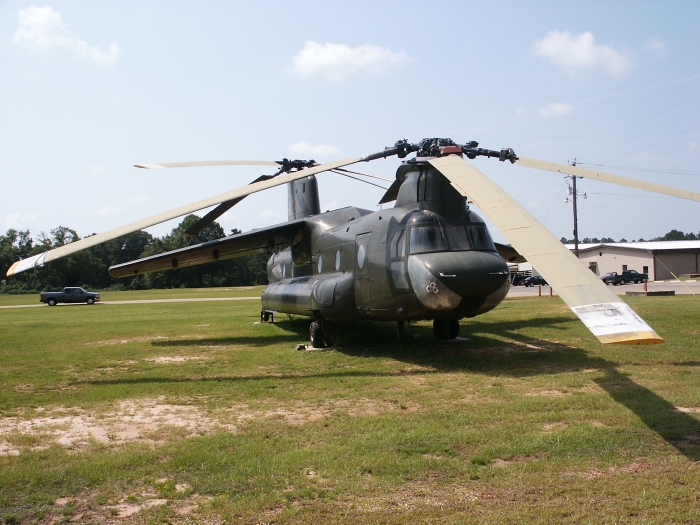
[[362, 295]]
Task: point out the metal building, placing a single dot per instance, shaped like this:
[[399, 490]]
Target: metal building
[[659, 259]]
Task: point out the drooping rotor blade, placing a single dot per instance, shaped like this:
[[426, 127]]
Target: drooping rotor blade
[[82, 244], [608, 177], [602, 311], [199, 163], [272, 238], [219, 211]]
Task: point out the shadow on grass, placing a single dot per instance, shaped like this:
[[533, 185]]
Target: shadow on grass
[[678, 429], [511, 354]]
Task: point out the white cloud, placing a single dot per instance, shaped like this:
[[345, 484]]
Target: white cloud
[[108, 210], [43, 28], [656, 46], [320, 150], [337, 62], [139, 198], [693, 145], [269, 215], [18, 221], [556, 109], [580, 52]]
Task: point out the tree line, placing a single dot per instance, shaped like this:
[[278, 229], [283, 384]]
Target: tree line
[[88, 268], [673, 235]]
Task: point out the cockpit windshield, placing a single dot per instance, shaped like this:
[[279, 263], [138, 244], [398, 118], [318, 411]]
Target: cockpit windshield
[[453, 238], [427, 239]]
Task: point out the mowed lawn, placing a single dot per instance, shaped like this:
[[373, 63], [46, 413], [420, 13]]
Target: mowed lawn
[[196, 412]]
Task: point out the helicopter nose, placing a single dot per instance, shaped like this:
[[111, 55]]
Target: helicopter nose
[[441, 279]]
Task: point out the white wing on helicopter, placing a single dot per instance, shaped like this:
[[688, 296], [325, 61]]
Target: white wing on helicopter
[[607, 177], [601, 310], [42, 258]]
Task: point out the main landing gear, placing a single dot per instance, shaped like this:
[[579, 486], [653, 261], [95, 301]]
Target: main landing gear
[[322, 334], [446, 328]]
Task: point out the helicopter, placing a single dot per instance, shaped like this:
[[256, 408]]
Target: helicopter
[[430, 257]]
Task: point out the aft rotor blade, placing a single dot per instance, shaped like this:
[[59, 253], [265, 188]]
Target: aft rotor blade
[[198, 163], [219, 211], [608, 177], [602, 311], [82, 244]]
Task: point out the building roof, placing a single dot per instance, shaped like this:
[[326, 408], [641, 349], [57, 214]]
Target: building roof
[[646, 246]]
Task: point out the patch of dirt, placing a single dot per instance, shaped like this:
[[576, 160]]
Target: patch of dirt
[[636, 467], [155, 421], [551, 427], [548, 393], [418, 494], [174, 358], [145, 420], [688, 410], [7, 449], [111, 342]]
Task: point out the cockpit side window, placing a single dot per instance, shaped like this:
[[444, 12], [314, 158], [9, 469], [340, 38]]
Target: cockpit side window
[[427, 239]]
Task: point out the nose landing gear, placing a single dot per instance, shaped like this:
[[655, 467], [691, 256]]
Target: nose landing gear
[[444, 328]]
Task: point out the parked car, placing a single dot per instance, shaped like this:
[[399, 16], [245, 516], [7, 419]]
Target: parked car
[[69, 295], [534, 280]]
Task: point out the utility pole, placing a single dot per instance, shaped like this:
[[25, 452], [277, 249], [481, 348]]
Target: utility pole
[[574, 194], [573, 177]]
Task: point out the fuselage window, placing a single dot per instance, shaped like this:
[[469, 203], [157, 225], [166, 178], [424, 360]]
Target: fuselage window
[[397, 247], [361, 254], [320, 263], [427, 239], [337, 261]]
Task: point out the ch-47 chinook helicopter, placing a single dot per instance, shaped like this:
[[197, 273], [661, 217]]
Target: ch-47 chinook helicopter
[[429, 257]]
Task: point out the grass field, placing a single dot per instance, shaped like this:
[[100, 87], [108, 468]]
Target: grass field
[[193, 412]]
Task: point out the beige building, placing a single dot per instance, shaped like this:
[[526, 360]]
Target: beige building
[[659, 259]]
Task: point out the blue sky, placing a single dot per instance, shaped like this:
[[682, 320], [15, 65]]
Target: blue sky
[[87, 89]]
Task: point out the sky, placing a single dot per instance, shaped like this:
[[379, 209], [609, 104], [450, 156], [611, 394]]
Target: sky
[[90, 88]]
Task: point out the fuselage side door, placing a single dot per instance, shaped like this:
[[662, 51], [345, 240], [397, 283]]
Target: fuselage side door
[[362, 288]]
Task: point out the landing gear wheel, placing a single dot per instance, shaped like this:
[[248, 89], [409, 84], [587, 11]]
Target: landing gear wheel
[[445, 328], [441, 328], [454, 328], [329, 334], [51, 302], [316, 334], [264, 316], [90, 301]]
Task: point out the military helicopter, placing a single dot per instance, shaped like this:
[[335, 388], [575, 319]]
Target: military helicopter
[[430, 257]]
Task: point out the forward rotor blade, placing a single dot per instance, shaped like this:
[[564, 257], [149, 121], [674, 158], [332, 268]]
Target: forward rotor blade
[[199, 163], [42, 258], [608, 177], [219, 210], [603, 312]]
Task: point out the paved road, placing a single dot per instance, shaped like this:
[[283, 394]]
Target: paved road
[[144, 301], [684, 288]]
